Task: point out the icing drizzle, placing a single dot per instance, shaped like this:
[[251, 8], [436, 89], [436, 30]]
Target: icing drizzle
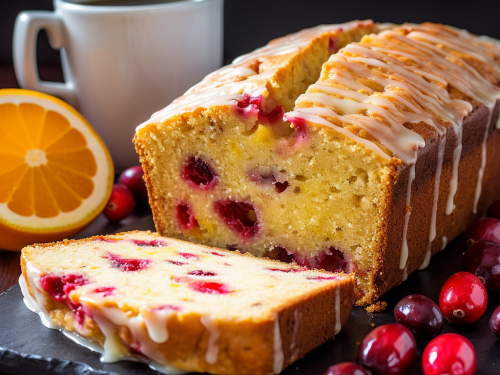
[[404, 247], [338, 324], [444, 242], [437, 181], [483, 162], [279, 357], [213, 349], [156, 324]]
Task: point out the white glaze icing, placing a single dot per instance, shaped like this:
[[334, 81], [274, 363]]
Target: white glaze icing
[[397, 138], [156, 323], [435, 200], [279, 357], [213, 349], [30, 302], [437, 181], [110, 318], [479, 184], [220, 88], [445, 242], [427, 258], [27, 298], [457, 152], [405, 274], [403, 260], [113, 349], [338, 324]]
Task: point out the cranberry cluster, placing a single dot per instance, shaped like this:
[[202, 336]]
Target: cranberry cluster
[[130, 189], [482, 259], [391, 349]]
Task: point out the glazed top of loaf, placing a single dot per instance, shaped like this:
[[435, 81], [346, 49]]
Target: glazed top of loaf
[[410, 74], [249, 73]]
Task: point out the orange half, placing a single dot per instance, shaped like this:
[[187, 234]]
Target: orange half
[[56, 174]]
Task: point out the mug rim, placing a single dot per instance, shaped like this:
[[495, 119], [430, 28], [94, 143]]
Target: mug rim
[[124, 8]]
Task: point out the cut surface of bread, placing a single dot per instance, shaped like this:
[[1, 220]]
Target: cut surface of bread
[[186, 306], [385, 159]]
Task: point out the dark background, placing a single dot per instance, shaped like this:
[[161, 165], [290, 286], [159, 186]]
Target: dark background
[[250, 24]]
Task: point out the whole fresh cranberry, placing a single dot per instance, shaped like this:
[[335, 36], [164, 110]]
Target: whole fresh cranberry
[[486, 229], [463, 298], [495, 322], [482, 258], [449, 353], [421, 315], [346, 368], [120, 204], [389, 349], [494, 210], [133, 179]]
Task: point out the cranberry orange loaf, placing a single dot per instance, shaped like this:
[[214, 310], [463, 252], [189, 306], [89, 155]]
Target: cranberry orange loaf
[[386, 158], [186, 306]]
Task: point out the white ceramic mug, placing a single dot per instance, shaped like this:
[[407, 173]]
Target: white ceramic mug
[[122, 63]]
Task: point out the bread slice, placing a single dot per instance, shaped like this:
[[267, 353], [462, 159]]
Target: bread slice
[[388, 157], [186, 306]]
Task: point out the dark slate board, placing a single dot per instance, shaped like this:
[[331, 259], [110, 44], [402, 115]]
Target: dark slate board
[[27, 347]]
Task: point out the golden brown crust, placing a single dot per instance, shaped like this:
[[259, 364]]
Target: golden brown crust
[[389, 275], [153, 196]]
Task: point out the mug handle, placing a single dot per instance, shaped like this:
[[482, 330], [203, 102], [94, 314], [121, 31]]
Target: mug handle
[[26, 29]]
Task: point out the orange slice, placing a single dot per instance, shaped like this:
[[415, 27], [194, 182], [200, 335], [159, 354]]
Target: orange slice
[[56, 174]]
